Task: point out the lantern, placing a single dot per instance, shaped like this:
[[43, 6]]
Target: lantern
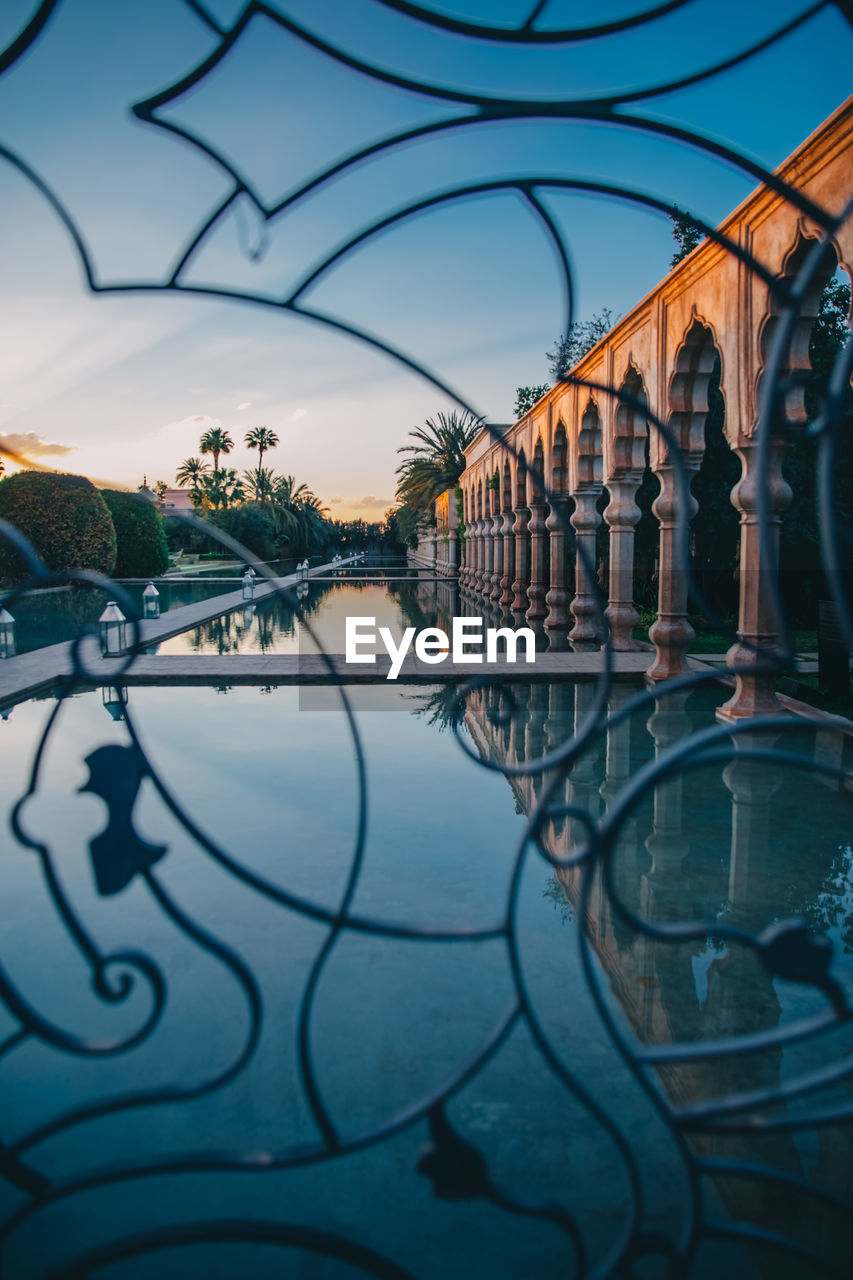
[[7, 634], [113, 626], [151, 601], [249, 585], [114, 700]]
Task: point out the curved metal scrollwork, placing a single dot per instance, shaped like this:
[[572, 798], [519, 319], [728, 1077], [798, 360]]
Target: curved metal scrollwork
[[577, 842]]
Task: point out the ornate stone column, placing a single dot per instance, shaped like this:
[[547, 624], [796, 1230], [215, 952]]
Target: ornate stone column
[[754, 695], [465, 567], [671, 633], [519, 601], [536, 590], [452, 563], [622, 514], [477, 575], [557, 598], [508, 573], [497, 551], [488, 544], [585, 520]]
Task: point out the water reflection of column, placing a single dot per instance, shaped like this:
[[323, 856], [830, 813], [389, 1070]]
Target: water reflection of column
[[469, 555], [508, 573], [585, 519], [536, 590], [557, 598], [497, 551], [753, 784], [667, 844], [519, 600]]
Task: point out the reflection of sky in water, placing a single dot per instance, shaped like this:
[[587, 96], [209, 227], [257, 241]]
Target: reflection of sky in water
[[274, 786], [273, 627]]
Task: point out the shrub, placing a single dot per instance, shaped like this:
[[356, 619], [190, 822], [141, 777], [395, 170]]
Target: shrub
[[141, 550], [64, 517], [252, 526]]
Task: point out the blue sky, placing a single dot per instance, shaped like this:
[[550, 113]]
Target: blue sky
[[126, 381]]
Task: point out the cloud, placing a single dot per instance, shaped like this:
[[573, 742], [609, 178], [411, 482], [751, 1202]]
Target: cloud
[[29, 445], [333, 502], [247, 404], [297, 414], [372, 501]]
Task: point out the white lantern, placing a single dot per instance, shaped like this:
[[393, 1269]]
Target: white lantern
[[151, 601], [114, 700], [249, 585], [113, 631], [7, 634]]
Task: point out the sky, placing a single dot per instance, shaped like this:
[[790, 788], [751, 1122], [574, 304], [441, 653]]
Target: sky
[[120, 383]]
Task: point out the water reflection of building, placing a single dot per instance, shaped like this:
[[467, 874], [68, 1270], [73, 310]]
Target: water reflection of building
[[707, 845]]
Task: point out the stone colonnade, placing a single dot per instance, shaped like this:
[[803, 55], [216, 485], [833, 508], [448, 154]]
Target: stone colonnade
[[507, 532]]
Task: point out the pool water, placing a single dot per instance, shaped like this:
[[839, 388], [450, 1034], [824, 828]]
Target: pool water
[[273, 791], [59, 614]]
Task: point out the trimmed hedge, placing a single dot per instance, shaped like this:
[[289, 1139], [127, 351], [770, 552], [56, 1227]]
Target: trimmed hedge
[[64, 517], [142, 551]]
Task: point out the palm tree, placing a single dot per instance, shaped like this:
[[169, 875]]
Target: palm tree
[[216, 441], [438, 457], [259, 483], [287, 492], [192, 472], [261, 438], [222, 487]]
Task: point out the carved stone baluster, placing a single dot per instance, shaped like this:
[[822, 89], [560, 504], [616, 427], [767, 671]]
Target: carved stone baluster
[[621, 515], [754, 695], [585, 519], [671, 633], [519, 600], [557, 598], [536, 590]]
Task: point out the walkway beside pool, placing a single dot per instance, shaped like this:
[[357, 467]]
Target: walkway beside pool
[[35, 672]]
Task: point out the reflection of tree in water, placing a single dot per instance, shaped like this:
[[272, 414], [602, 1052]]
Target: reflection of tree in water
[[555, 892], [406, 595], [442, 707], [832, 904]]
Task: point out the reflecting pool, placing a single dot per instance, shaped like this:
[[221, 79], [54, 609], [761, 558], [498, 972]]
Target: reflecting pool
[[58, 614], [302, 1055]]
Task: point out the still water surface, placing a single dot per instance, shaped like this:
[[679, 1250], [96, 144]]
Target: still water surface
[[274, 787]]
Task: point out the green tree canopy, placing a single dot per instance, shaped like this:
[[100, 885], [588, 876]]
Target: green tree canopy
[[526, 397], [141, 550], [685, 233], [572, 346], [65, 519], [216, 441], [262, 439], [438, 458]]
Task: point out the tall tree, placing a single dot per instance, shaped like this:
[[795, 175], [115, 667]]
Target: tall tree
[[260, 483], [438, 457], [526, 397], [262, 439], [572, 346], [216, 441], [685, 233], [221, 487], [191, 474]]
